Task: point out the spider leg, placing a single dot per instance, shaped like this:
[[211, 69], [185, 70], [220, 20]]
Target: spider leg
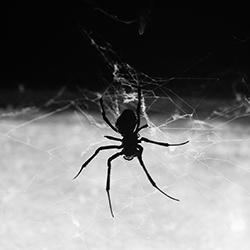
[[105, 117], [96, 152], [138, 109], [142, 127], [112, 138], [108, 179], [139, 156], [162, 143]]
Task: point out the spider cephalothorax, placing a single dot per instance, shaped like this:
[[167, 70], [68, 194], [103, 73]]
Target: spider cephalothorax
[[129, 144], [128, 125]]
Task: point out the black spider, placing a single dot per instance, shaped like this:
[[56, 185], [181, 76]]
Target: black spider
[[128, 125]]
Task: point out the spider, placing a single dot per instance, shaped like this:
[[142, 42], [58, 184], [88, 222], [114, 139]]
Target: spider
[[128, 126]]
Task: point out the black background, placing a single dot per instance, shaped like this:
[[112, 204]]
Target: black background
[[43, 46]]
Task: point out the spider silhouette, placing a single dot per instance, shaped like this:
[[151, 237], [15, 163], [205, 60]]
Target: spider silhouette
[[128, 126]]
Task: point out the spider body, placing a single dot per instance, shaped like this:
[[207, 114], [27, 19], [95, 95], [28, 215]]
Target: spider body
[[126, 122], [129, 144], [128, 126]]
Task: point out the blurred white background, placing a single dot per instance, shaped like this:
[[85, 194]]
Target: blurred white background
[[43, 208]]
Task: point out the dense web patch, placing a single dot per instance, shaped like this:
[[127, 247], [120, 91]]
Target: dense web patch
[[42, 208]]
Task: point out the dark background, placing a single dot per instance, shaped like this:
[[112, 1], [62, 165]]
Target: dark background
[[43, 47]]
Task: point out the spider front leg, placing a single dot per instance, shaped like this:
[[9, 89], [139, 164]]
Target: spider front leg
[[105, 117], [138, 109], [113, 138], [138, 112], [96, 152], [165, 144], [142, 127], [148, 175], [108, 179]]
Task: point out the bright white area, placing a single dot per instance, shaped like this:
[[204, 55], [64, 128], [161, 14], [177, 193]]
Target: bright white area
[[42, 208]]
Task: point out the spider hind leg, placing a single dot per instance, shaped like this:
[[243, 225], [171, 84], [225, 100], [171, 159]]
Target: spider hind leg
[[108, 179], [94, 155], [139, 156]]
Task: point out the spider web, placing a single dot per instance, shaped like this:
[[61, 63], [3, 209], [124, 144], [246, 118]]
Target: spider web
[[44, 146]]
